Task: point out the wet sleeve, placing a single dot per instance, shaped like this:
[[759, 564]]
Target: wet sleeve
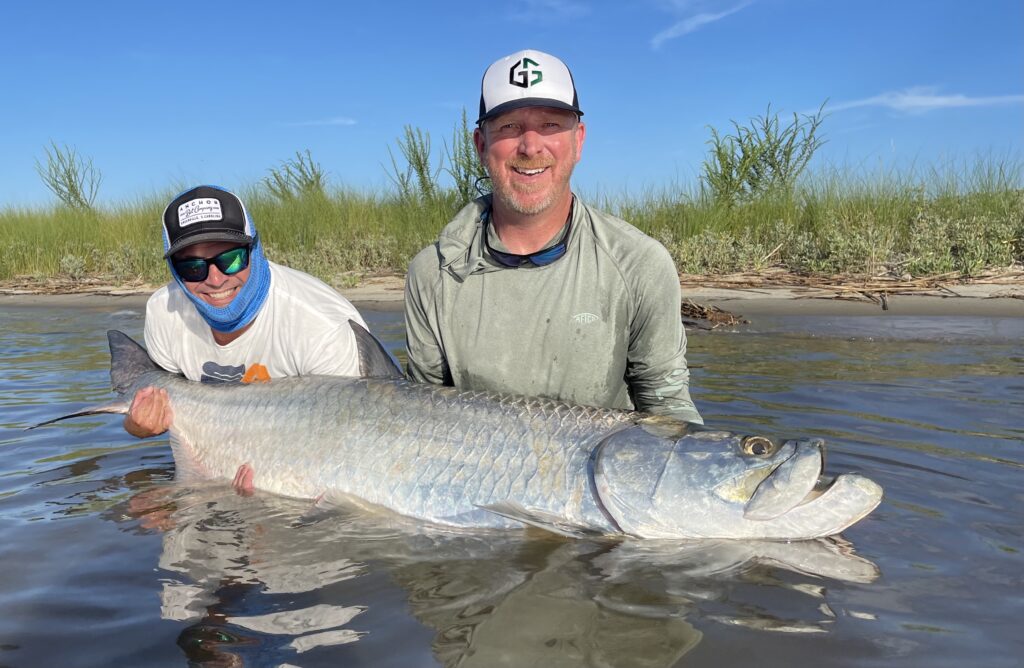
[[656, 371], [427, 363]]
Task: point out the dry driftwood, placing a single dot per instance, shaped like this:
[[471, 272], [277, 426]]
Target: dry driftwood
[[703, 316], [876, 289]]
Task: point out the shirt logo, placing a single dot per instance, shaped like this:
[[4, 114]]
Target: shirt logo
[[216, 373], [585, 318], [522, 77], [257, 373]]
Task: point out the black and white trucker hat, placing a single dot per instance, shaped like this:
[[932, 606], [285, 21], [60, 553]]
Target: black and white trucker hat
[[205, 213], [527, 79]]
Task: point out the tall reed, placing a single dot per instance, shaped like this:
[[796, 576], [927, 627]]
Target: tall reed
[[964, 217]]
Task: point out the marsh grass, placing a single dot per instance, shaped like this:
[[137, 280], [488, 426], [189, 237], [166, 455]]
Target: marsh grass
[[296, 178], [960, 218], [964, 218]]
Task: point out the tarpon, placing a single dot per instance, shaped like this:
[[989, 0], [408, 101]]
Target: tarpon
[[476, 459]]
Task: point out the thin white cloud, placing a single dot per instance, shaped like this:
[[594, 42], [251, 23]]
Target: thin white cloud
[[692, 23], [533, 10], [336, 120], [922, 99]]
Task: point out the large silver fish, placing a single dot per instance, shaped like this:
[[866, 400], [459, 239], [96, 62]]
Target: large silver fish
[[475, 459]]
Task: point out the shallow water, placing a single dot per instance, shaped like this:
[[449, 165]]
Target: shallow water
[[106, 561]]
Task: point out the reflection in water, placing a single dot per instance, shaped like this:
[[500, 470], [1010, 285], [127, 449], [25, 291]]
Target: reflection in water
[[265, 582], [261, 579]]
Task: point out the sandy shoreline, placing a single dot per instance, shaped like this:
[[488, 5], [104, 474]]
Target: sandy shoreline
[[991, 299]]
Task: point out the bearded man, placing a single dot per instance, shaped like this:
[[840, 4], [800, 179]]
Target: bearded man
[[530, 291]]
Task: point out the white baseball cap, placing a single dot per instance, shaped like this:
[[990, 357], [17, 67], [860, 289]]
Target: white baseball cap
[[527, 79]]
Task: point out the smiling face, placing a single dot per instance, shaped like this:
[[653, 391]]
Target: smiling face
[[530, 154], [217, 290]]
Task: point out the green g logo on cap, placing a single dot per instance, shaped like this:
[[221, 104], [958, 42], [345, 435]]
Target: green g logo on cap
[[522, 77], [520, 80]]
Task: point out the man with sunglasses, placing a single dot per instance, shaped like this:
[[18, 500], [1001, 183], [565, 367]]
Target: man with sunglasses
[[531, 291], [229, 314]]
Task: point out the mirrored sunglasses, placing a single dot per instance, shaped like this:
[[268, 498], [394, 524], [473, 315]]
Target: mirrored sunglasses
[[197, 269]]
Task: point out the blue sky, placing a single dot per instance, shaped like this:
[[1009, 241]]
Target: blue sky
[[162, 95]]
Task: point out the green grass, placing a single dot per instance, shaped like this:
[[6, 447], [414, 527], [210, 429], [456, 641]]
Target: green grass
[[965, 218]]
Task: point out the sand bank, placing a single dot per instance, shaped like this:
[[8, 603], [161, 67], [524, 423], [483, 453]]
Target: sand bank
[[996, 299]]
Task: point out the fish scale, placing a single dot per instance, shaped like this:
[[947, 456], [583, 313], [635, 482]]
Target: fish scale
[[493, 460]]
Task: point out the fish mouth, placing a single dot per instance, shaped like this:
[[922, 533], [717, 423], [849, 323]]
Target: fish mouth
[[791, 483], [798, 494], [836, 503]]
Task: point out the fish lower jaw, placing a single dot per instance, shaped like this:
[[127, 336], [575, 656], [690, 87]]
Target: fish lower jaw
[[823, 485], [827, 484], [832, 506]]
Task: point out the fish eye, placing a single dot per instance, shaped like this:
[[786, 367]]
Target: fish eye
[[757, 445]]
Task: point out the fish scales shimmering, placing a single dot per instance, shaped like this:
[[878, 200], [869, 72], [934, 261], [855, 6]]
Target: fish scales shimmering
[[400, 444], [477, 459]]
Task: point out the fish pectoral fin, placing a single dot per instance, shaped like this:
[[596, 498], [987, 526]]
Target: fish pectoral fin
[[539, 518], [333, 499]]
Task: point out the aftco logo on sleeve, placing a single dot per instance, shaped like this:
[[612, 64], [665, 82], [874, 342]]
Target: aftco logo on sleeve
[[519, 74]]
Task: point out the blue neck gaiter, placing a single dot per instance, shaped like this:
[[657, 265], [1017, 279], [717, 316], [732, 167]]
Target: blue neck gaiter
[[247, 303]]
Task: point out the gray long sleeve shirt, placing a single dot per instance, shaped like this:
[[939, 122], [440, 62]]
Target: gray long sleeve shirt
[[600, 326]]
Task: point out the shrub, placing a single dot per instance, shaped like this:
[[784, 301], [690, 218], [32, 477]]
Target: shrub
[[760, 158], [73, 179], [296, 179]]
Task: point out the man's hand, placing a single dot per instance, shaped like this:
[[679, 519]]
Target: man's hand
[[150, 413], [243, 482], [154, 508]]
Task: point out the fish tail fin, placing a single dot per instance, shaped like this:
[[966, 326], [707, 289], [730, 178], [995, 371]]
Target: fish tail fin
[[114, 407], [128, 361]]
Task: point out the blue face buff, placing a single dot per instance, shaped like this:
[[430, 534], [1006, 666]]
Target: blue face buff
[[247, 303]]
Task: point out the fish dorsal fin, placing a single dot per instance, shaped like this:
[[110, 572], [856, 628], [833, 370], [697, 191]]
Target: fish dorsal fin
[[374, 360], [128, 361]]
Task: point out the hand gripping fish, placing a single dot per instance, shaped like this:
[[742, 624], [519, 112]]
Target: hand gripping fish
[[477, 459]]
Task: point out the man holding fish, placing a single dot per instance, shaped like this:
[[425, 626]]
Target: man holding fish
[[229, 314], [531, 291]]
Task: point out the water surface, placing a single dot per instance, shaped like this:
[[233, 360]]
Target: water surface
[[106, 561]]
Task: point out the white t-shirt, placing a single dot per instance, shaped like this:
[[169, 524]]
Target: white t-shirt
[[301, 330]]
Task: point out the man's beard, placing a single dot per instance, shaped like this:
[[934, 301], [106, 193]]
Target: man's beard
[[513, 199]]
